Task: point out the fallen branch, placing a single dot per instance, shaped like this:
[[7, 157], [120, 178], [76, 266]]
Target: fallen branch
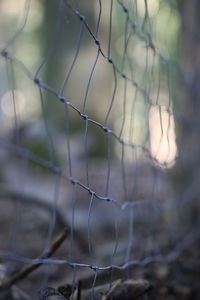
[[120, 289], [29, 269]]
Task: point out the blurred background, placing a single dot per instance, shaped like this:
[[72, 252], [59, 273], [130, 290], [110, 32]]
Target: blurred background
[[130, 50], [138, 145]]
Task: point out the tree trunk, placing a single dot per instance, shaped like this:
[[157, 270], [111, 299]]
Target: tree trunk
[[187, 106]]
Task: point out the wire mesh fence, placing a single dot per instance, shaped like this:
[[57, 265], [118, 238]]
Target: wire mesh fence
[[98, 147]]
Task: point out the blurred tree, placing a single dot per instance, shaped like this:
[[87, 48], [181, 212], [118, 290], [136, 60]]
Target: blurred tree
[[187, 100]]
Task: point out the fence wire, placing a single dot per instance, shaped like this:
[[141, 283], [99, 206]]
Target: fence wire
[[89, 136]]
